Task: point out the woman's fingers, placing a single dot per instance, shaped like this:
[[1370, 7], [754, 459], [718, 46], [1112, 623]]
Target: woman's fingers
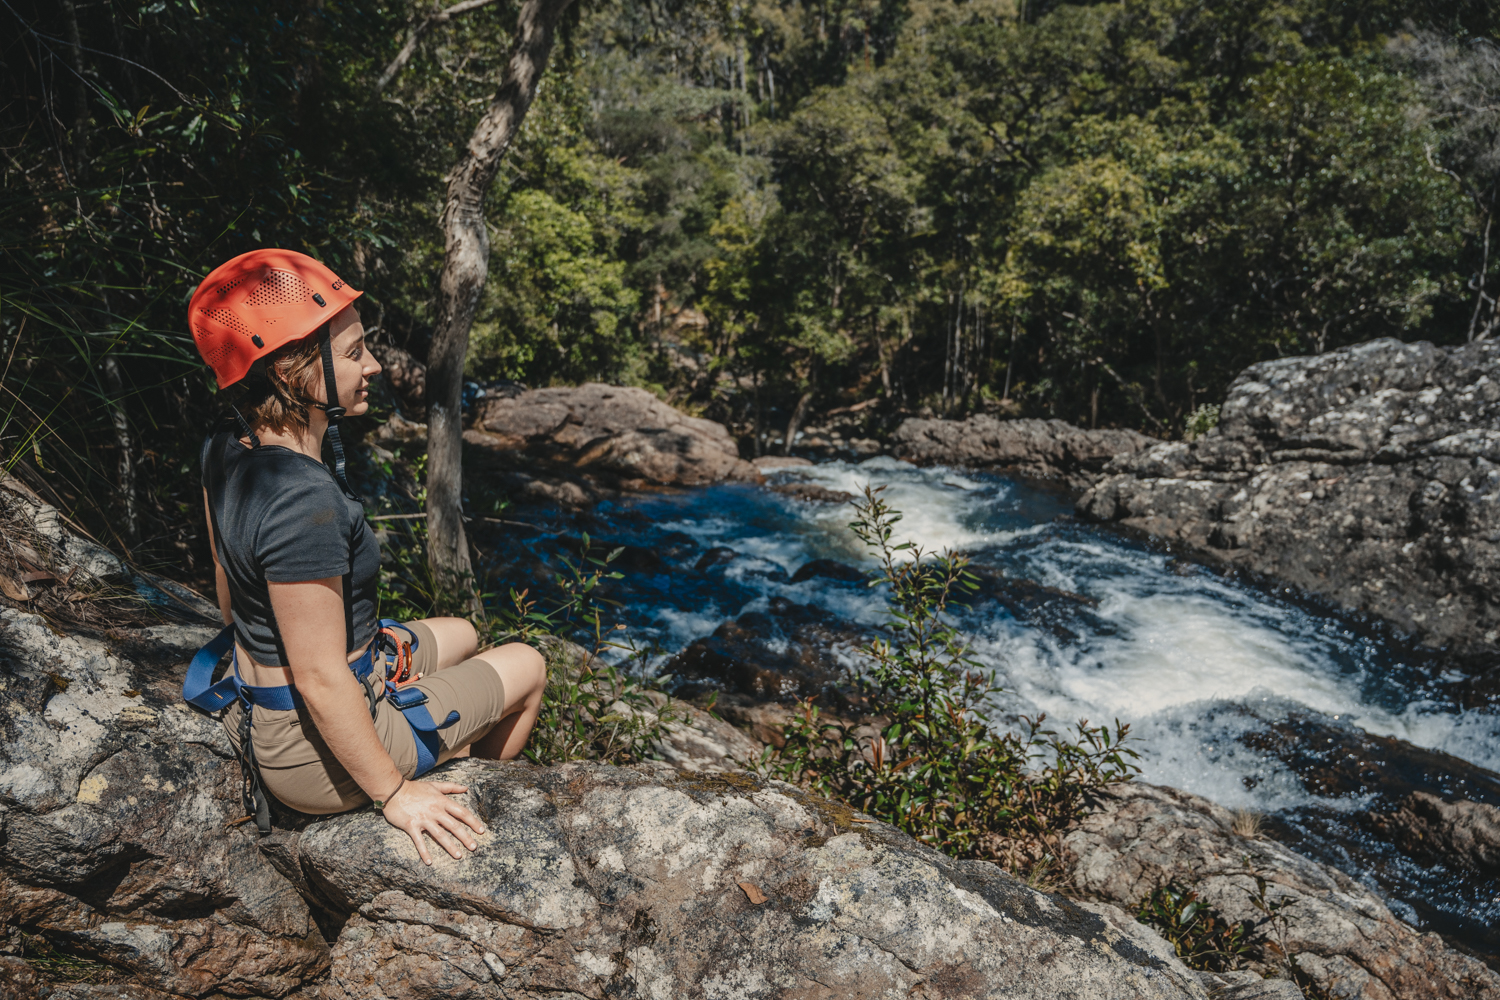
[[463, 813], [456, 825], [415, 833], [449, 787], [443, 838]]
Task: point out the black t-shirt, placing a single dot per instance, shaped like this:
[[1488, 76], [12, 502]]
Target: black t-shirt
[[283, 519]]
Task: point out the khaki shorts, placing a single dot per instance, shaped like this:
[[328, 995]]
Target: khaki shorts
[[297, 767]]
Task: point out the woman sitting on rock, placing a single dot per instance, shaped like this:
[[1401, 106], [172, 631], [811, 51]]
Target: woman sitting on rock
[[328, 708]]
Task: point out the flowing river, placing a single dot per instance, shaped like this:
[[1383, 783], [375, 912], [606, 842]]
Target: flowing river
[[1251, 697]]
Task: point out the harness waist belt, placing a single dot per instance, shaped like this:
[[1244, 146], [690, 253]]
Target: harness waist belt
[[199, 691]]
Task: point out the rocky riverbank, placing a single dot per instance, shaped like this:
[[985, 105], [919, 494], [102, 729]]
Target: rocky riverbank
[[1366, 475], [1041, 449], [121, 843]]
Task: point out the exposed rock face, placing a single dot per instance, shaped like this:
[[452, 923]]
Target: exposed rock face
[[113, 814], [1341, 934], [625, 434], [1366, 475], [117, 842], [1046, 449], [637, 881]]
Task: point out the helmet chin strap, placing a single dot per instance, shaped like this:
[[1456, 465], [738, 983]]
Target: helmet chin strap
[[335, 414]]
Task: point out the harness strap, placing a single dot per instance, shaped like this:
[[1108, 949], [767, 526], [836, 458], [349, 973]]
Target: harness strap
[[199, 691]]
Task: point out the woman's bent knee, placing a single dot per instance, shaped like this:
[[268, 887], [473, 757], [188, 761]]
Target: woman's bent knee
[[521, 668], [456, 639]]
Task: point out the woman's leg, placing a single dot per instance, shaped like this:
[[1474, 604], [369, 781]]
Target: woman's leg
[[455, 638], [524, 674]]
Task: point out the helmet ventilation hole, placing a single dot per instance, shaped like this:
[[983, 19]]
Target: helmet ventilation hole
[[279, 288], [226, 318]]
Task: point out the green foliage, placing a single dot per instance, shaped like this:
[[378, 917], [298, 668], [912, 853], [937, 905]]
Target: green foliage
[[61, 967], [592, 709], [927, 760], [1101, 211], [1202, 420], [1277, 954], [1201, 937]]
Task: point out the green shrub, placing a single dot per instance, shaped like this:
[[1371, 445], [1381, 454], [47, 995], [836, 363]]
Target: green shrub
[[1201, 937], [927, 761], [592, 709], [1202, 420]]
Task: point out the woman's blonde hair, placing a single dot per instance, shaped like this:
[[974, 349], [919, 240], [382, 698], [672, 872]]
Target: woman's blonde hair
[[277, 391]]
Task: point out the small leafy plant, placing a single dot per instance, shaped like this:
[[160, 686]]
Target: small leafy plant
[[592, 709], [1202, 938], [926, 760], [1202, 420], [1276, 951]]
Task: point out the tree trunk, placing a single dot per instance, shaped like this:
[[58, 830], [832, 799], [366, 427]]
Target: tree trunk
[[466, 262], [799, 412]]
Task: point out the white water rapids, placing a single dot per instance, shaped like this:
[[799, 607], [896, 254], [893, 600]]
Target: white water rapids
[[1192, 661]]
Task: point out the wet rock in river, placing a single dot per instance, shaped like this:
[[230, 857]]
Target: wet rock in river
[[719, 555], [782, 654], [830, 569], [1061, 612], [1458, 833], [623, 434], [812, 492], [1045, 449], [1337, 759], [1142, 836], [1367, 475]]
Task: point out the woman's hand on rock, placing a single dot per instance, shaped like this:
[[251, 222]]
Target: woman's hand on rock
[[427, 807]]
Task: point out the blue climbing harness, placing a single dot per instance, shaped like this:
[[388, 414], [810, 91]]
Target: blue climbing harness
[[200, 691]]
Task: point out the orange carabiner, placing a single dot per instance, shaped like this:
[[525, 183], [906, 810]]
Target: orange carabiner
[[401, 671]]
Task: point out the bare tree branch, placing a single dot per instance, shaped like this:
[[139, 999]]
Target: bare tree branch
[[414, 35]]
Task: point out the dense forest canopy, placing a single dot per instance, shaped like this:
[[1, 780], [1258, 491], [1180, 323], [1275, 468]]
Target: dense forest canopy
[[760, 209]]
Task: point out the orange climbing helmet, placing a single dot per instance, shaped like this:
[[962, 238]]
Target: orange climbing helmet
[[251, 305]]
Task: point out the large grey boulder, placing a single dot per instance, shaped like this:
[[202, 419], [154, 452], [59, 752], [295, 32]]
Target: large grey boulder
[[118, 840], [1367, 475], [1045, 449], [1141, 837], [643, 881], [624, 434]]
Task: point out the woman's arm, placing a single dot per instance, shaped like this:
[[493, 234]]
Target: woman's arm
[[221, 579], [310, 618]]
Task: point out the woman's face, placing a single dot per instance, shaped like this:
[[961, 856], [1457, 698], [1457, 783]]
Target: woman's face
[[353, 364]]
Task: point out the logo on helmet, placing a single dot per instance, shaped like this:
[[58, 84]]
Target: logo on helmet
[[338, 284]]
